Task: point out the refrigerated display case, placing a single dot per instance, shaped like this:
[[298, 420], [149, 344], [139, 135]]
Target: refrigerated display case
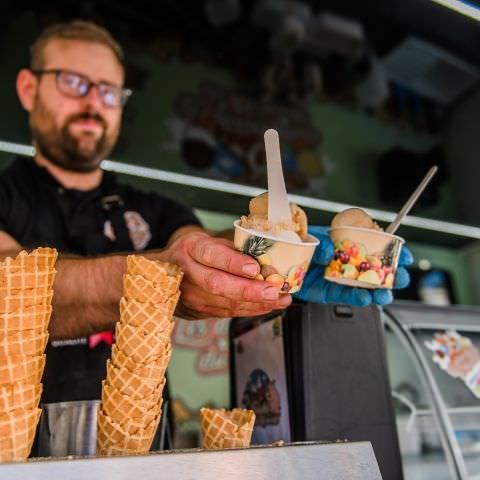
[[437, 404], [319, 372]]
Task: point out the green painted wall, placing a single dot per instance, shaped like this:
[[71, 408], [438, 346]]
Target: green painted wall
[[352, 139]]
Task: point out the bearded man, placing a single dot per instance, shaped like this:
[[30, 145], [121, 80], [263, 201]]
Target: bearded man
[[74, 93]]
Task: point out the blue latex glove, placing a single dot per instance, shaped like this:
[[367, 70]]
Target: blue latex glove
[[316, 289]]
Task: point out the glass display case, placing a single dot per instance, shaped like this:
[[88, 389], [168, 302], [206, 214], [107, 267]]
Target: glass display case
[[434, 366]]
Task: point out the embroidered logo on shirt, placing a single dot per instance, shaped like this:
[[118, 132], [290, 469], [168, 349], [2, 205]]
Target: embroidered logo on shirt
[[138, 229]]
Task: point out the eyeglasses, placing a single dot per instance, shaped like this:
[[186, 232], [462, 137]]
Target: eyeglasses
[[76, 85]]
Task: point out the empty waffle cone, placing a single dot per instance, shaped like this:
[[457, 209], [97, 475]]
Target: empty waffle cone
[[114, 450], [27, 279], [36, 317], [165, 275], [131, 384], [137, 287], [26, 368], [153, 370], [137, 426], [159, 325], [42, 258], [142, 314], [226, 428], [24, 299], [140, 344], [119, 406], [111, 433], [19, 395], [24, 292], [17, 431], [23, 342]]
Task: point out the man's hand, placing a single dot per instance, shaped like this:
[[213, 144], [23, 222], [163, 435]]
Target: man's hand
[[220, 281], [316, 289]]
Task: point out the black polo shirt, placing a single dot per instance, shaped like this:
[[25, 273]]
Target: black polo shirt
[[37, 211]]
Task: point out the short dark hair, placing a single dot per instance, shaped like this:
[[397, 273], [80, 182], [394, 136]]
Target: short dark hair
[[73, 30]]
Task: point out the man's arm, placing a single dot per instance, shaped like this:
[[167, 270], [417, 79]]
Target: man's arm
[[8, 245], [218, 282], [87, 291]]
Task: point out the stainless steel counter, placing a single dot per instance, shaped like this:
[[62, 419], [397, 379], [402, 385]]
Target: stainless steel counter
[[305, 461]]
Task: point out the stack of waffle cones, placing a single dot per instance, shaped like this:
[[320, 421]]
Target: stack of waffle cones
[[226, 428], [26, 284], [132, 392]]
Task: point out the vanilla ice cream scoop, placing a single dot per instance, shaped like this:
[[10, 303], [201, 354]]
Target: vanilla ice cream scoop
[[354, 217], [258, 220]]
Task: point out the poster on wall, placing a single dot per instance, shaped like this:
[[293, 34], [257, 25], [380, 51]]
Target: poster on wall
[[261, 383], [209, 339], [219, 134]]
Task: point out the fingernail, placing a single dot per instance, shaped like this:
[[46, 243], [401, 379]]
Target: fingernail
[[250, 269], [270, 293]]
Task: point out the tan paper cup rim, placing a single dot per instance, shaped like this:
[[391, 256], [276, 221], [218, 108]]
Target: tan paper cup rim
[[313, 241], [370, 230]]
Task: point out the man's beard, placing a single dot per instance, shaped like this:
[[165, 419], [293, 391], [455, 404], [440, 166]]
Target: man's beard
[[61, 148]]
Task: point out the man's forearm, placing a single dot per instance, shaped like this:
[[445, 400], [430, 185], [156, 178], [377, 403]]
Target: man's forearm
[[86, 297]]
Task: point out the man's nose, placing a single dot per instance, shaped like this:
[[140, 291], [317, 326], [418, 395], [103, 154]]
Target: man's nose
[[93, 99]]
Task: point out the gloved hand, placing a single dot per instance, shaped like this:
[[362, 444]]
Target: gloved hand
[[316, 289]]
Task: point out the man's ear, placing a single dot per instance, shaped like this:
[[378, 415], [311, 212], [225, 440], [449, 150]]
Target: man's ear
[[27, 84]]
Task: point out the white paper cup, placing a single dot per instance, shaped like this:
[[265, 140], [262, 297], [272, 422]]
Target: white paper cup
[[283, 263], [364, 258]]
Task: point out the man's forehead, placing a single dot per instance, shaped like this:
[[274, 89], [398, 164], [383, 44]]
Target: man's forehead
[[93, 59]]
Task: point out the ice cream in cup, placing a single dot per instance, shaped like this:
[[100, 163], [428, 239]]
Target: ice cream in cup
[[283, 250], [365, 255]]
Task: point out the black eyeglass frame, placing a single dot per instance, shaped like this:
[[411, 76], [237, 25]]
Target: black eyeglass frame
[[125, 93]]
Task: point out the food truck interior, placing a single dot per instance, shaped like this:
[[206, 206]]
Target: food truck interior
[[366, 97]]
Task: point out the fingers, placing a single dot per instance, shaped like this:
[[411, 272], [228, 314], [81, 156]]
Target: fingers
[[319, 231], [324, 252], [402, 278], [358, 297], [218, 279], [218, 282], [219, 254], [206, 303], [406, 256], [382, 296]]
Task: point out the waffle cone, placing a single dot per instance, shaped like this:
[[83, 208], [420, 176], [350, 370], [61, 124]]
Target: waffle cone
[[21, 368], [17, 430], [19, 395], [138, 426], [23, 342], [114, 450], [24, 292], [159, 325], [141, 345], [36, 317], [26, 279], [141, 314], [153, 370], [226, 428], [131, 384], [39, 259], [26, 298], [163, 274], [111, 433], [119, 406], [137, 287]]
